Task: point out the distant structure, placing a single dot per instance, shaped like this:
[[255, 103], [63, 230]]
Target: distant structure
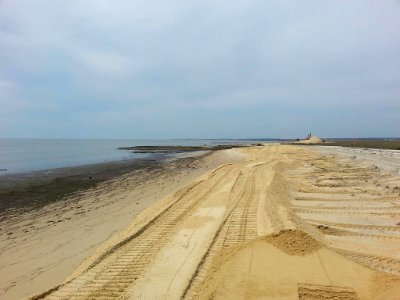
[[309, 139]]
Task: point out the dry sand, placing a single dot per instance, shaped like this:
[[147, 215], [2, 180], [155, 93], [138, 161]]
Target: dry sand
[[40, 248], [286, 222]]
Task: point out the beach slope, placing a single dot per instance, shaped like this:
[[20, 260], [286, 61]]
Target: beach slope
[[288, 222]]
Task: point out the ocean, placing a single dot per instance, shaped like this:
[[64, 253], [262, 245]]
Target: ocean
[[27, 155]]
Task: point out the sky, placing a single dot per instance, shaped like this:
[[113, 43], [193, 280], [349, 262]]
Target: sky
[[199, 69]]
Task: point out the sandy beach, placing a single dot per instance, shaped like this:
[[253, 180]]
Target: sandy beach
[[157, 150], [41, 246], [263, 222]]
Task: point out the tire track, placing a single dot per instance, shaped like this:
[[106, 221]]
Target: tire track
[[343, 212], [118, 270], [334, 231], [315, 292], [354, 226], [354, 199], [239, 226], [375, 262], [243, 221], [369, 209], [333, 182]]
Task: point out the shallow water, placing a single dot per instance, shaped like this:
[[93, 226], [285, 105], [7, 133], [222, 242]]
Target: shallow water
[[26, 155]]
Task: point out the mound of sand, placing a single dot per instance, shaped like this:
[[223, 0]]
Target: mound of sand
[[315, 139], [292, 265], [312, 140], [294, 242]]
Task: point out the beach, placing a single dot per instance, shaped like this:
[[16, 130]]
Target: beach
[[41, 244], [267, 222]]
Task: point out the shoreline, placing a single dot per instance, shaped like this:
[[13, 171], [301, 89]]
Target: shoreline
[[36, 189], [22, 192], [28, 155], [61, 234]]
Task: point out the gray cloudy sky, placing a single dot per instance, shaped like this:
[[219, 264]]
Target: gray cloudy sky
[[201, 69]]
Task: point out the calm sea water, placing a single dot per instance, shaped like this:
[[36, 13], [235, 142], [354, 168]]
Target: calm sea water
[[25, 155]]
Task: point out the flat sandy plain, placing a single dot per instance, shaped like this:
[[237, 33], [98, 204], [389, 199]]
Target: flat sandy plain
[[267, 222]]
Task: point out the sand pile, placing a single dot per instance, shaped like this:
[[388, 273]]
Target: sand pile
[[312, 140], [315, 139], [294, 242], [292, 265]]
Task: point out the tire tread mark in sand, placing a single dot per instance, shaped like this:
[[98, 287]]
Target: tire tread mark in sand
[[120, 244], [375, 262], [313, 190], [317, 292], [351, 209], [358, 199], [321, 211], [216, 237], [155, 241], [238, 229], [355, 226], [130, 260], [219, 238], [345, 231], [117, 246], [369, 189]]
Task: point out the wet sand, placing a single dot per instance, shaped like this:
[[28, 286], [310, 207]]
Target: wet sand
[[267, 222], [34, 190]]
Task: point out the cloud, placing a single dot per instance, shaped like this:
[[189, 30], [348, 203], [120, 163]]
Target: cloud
[[6, 88], [103, 62], [159, 62]]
